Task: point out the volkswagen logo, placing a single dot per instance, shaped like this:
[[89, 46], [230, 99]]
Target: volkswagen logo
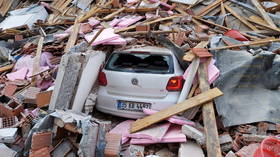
[[134, 81]]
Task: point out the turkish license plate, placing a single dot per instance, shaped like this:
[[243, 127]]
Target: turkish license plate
[[132, 106]]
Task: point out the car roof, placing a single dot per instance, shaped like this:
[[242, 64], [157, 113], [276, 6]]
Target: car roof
[[151, 49]]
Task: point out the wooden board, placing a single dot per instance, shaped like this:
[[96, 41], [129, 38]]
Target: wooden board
[[243, 20], [36, 64], [210, 7], [263, 13], [175, 109], [258, 42], [209, 119], [73, 37]]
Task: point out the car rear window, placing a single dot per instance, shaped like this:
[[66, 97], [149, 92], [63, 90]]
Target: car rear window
[[140, 63]]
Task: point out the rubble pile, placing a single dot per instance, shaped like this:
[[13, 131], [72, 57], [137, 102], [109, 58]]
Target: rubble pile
[[137, 78]]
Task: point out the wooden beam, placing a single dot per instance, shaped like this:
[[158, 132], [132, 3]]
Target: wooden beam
[[175, 109], [263, 25], [258, 42], [209, 119], [73, 37], [210, 7], [224, 28], [36, 64], [6, 68], [263, 13], [93, 11], [112, 15], [243, 20]]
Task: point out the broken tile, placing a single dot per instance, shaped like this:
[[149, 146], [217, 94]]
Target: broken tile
[[201, 52], [190, 149]]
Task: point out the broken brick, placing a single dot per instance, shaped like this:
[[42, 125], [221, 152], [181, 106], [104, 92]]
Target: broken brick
[[201, 52], [9, 90], [113, 145], [41, 140]]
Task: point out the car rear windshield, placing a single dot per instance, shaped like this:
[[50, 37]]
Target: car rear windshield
[[140, 63]]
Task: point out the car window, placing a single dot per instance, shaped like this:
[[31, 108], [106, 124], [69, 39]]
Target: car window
[[140, 63]]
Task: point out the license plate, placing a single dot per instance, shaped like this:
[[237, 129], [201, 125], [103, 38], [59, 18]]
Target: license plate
[[132, 106]]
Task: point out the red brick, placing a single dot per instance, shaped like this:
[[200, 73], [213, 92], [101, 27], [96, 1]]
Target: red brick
[[41, 140], [201, 52], [11, 109], [113, 145], [9, 90], [43, 98], [43, 152], [143, 28]]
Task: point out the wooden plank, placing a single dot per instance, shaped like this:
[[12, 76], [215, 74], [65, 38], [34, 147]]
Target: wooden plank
[[258, 42], [224, 28], [210, 7], [223, 12], [93, 11], [73, 37], [243, 20], [263, 24], [189, 56], [175, 109], [263, 13], [6, 68], [209, 119], [112, 15], [36, 64]]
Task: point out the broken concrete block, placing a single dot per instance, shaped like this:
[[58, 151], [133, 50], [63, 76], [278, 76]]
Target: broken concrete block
[[6, 151], [135, 150], [88, 78], [30, 95], [65, 82], [104, 127], [62, 149], [165, 153], [230, 154], [225, 142], [253, 137], [113, 146], [88, 142], [41, 140], [190, 149], [8, 135], [193, 133]]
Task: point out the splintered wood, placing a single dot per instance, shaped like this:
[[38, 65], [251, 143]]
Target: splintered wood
[[209, 119], [175, 109]]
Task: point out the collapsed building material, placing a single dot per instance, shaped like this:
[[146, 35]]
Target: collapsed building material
[[191, 149], [175, 109]]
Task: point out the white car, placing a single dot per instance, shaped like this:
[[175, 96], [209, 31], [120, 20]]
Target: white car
[[146, 77]]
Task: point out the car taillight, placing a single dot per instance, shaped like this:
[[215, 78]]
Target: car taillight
[[102, 80], [175, 83]]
